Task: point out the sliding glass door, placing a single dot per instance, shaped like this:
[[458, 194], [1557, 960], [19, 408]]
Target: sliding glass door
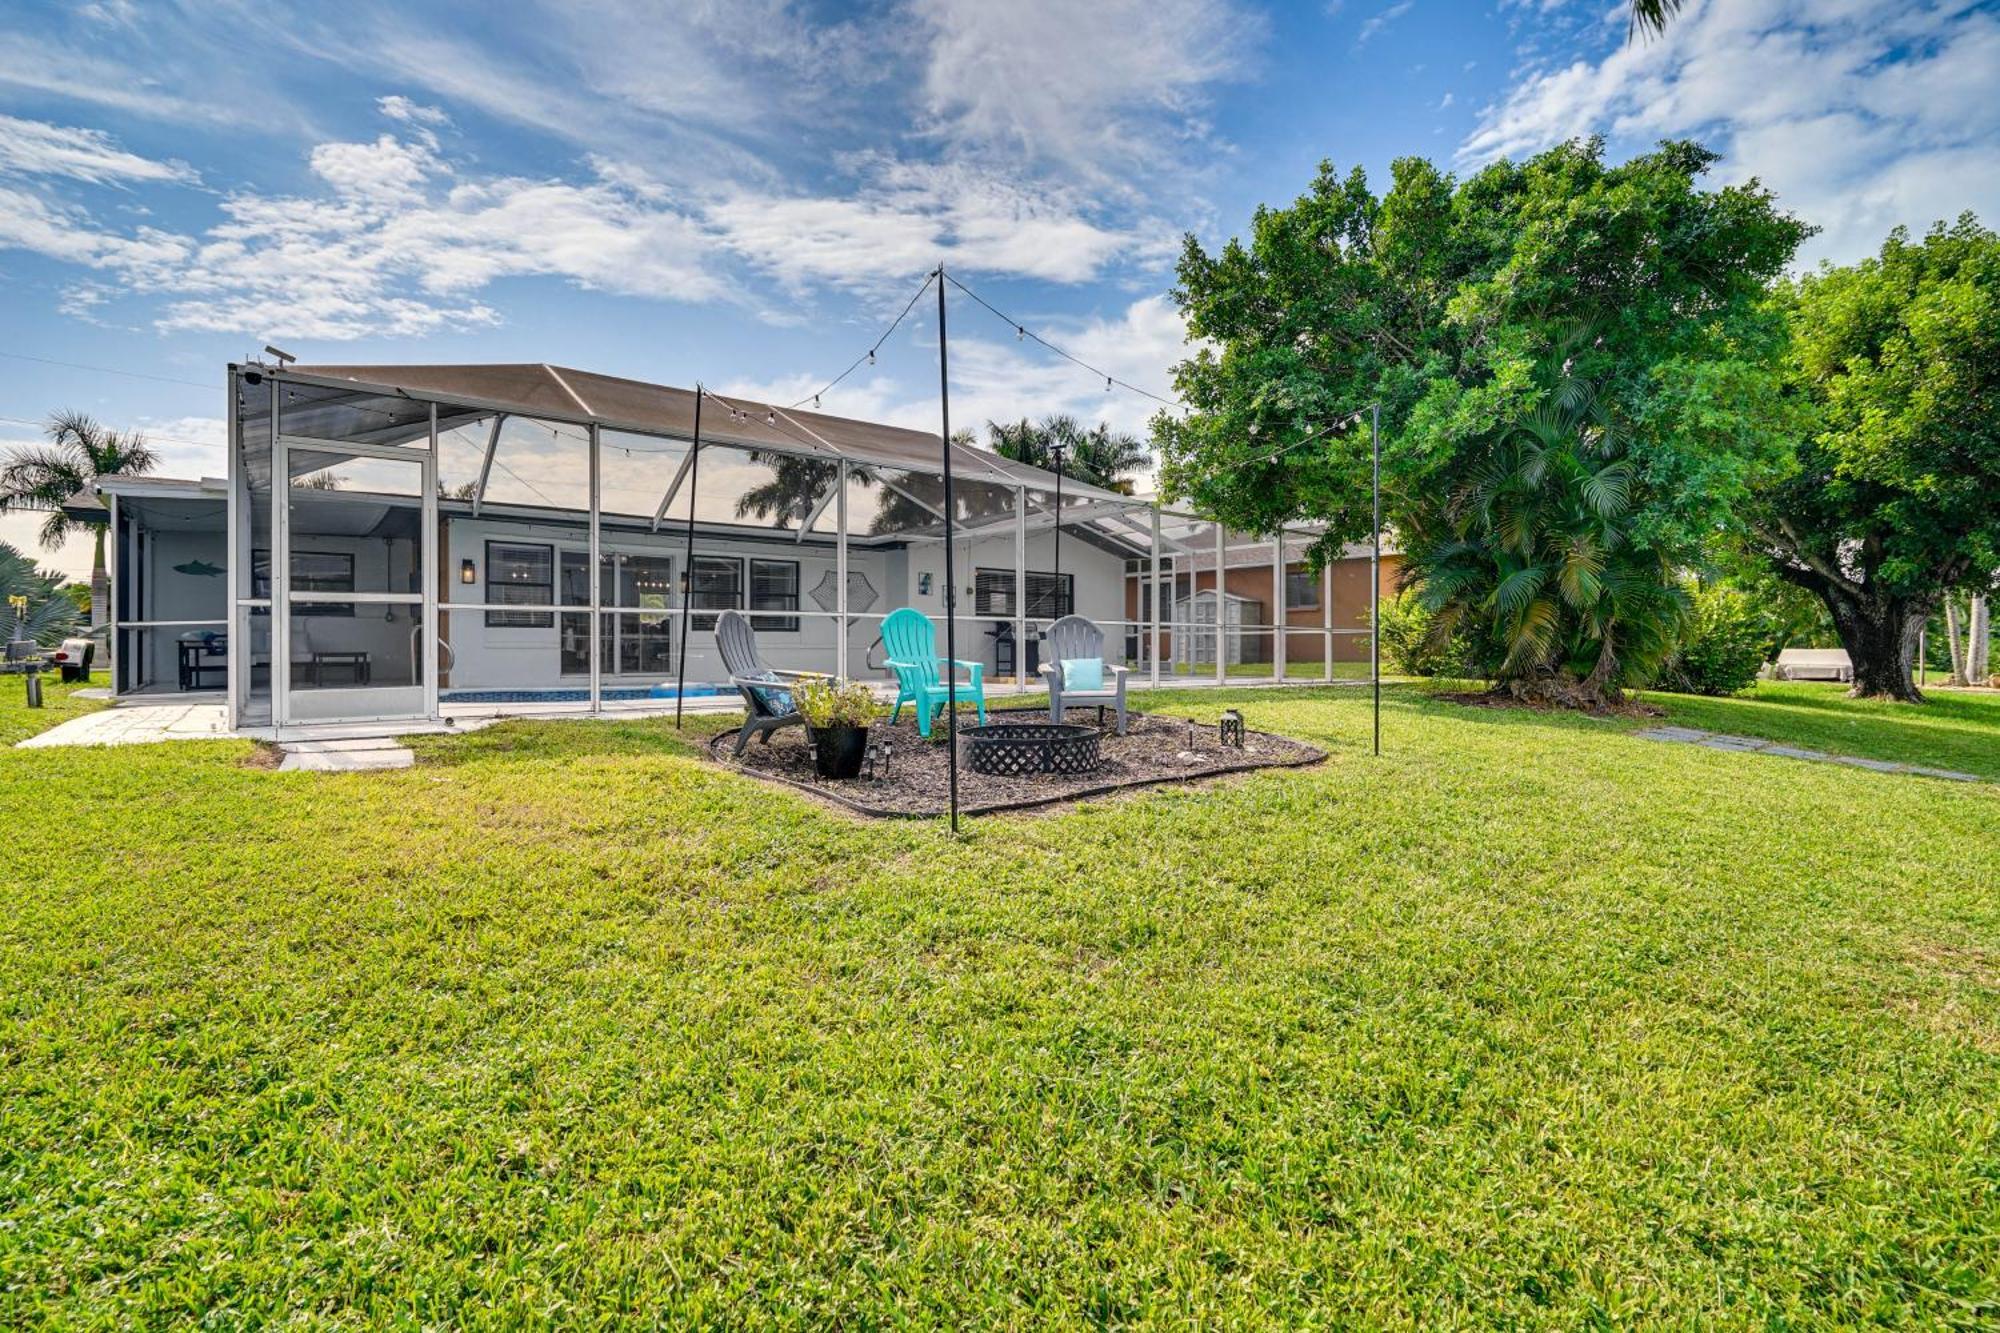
[[637, 634]]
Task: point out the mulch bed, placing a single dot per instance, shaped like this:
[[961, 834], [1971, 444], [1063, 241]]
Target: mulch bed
[[1153, 750], [1499, 699]]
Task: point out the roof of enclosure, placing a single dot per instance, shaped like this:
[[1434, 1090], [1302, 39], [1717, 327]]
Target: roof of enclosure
[[544, 391]]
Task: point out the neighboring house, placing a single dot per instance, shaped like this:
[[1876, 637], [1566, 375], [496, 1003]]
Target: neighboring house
[[439, 526]]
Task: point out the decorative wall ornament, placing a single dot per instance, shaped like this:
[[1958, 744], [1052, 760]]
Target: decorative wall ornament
[[861, 593]]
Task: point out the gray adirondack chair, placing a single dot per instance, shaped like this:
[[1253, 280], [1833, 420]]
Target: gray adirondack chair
[[1075, 638], [766, 691]]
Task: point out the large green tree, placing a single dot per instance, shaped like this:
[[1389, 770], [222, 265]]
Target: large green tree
[[50, 477], [1441, 300], [1537, 550], [1893, 499]]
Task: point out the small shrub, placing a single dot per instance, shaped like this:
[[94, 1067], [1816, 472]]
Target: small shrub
[[825, 702], [1722, 648], [1411, 646]]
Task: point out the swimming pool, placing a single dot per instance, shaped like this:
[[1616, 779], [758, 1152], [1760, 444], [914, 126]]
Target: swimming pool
[[619, 693]]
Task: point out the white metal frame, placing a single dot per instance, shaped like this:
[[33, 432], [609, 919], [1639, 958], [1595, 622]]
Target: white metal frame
[[1153, 625]]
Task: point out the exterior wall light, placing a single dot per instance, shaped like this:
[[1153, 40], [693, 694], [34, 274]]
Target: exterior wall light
[[467, 571]]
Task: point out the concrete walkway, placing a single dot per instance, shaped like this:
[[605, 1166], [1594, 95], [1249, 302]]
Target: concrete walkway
[[138, 724], [352, 756], [1751, 744]]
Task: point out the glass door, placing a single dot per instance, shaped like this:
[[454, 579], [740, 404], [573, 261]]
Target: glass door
[[350, 642], [636, 636]]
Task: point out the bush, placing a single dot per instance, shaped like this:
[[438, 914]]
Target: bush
[[1722, 649], [824, 702], [1410, 646]]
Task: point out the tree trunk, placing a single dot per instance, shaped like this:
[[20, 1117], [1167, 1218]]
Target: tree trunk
[[1880, 635], [1978, 666], [100, 598], [1958, 672]]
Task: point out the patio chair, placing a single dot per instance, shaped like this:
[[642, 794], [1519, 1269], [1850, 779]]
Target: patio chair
[[911, 642], [1078, 639], [766, 691]]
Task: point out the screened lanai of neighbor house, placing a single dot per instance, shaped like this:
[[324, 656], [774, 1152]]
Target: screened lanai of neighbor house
[[418, 542]]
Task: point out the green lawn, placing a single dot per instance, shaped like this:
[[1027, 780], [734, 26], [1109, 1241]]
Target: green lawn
[[1527, 1022], [1956, 729], [59, 704]]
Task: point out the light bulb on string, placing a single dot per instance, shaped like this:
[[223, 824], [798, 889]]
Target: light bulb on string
[[871, 356]]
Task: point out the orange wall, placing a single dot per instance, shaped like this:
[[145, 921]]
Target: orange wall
[[1349, 580]]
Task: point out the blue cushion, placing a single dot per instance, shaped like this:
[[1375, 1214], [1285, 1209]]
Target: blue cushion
[[775, 699], [1083, 673]]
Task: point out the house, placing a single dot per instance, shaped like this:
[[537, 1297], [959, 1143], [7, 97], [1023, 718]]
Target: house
[[430, 549]]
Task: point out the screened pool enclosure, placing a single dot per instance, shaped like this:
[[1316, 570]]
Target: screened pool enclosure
[[397, 543]]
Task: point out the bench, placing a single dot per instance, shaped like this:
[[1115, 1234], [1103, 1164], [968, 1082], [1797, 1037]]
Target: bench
[[1813, 664]]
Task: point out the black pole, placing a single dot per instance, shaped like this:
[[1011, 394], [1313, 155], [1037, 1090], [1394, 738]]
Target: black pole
[[950, 576], [687, 573], [1375, 572]]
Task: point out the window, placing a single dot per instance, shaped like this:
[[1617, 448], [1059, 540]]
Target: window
[[1301, 590], [312, 571], [774, 586], [1049, 596], [717, 586], [524, 575]]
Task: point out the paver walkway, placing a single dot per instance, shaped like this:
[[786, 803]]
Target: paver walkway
[[1715, 740], [351, 756]]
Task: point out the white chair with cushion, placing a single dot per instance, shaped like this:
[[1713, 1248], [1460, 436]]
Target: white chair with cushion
[[1078, 676]]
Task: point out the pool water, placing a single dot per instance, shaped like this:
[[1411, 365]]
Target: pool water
[[621, 693]]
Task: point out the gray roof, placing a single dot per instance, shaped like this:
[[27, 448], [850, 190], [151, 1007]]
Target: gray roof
[[561, 393]]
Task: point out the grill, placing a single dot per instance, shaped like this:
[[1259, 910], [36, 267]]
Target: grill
[[1022, 749]]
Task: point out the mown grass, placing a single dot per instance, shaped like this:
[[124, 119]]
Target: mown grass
[[59, 704], [1527, 1022], [1955, 729]]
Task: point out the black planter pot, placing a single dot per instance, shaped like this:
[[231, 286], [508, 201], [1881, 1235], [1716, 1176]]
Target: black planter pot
[[839, 751]]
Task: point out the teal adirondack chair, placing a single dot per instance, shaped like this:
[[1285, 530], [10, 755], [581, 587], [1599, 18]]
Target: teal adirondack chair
[[910, 640]]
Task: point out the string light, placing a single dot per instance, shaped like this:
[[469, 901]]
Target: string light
[[1022, 331], [869, 356]]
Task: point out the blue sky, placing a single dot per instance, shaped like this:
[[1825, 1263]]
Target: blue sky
[[745, 193]]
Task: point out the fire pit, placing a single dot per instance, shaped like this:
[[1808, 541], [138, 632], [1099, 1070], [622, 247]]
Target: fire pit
[[1018, 749]]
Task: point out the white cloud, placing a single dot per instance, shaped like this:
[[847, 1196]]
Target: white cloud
[[1106, 91], [1002, 379], [906, 216], [37, 148], [387, 169], [1860, 115], [1376, 23], [397, 107]]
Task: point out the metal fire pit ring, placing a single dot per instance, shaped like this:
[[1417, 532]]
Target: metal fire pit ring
[[1024, 749]]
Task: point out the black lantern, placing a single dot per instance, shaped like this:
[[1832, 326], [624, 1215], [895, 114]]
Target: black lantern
[[1230, 729]]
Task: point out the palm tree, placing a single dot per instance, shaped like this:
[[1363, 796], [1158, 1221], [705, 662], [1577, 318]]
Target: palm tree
[[796, 485], [1651, 16], [78, 454], [1536, 548], [49, 614], [1099, 455]]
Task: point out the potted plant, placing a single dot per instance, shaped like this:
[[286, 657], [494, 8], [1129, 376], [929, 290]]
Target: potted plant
[[837, 714]]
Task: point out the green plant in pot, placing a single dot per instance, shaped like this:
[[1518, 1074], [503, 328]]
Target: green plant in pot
[[837, 714]]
